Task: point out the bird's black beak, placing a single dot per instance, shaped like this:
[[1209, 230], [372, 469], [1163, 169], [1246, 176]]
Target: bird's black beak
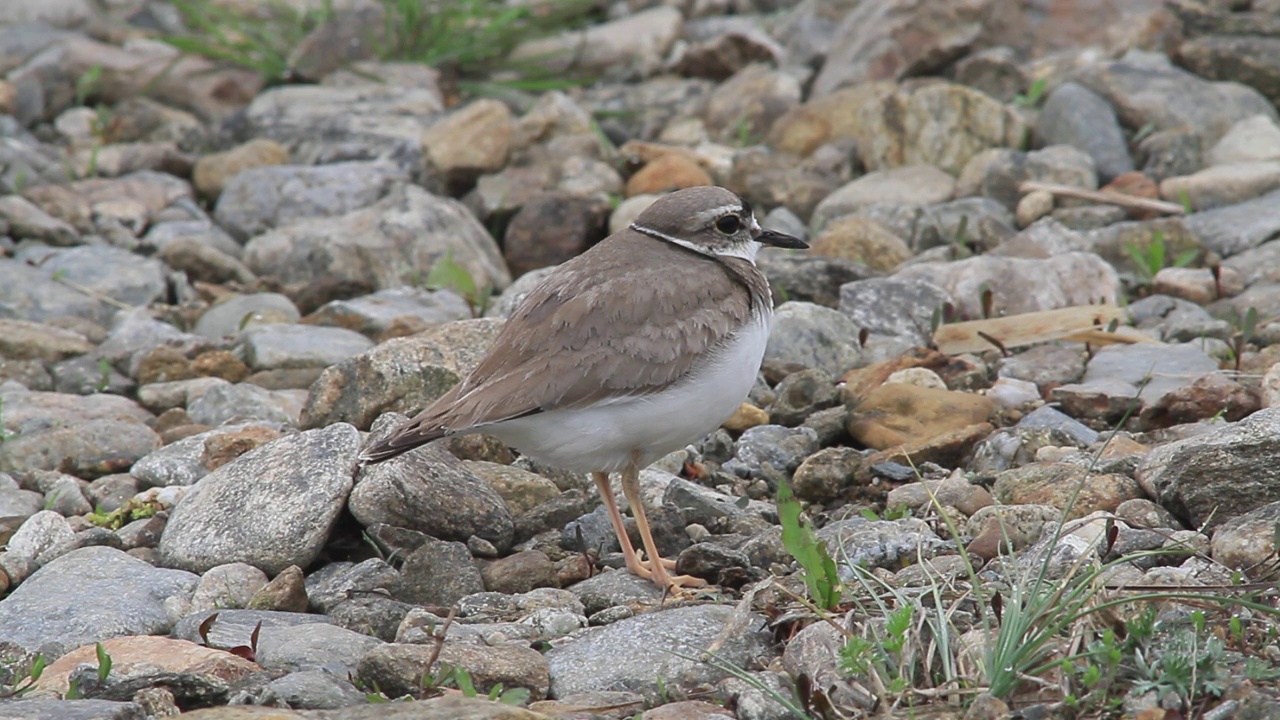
[[782, 240]]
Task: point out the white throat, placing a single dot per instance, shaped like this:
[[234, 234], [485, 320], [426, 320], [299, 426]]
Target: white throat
[[745, 250]]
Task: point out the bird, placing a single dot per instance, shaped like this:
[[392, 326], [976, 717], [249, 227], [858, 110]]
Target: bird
[[644, 343]]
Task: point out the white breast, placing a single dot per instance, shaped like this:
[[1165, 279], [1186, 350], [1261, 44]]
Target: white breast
[[604, 436]]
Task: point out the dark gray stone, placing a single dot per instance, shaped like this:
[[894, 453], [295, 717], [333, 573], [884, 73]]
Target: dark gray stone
[[1219, 475], [438, 573], [1076, 116], [316, 690]]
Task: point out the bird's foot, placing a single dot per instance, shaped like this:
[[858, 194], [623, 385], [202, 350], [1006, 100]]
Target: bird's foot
[[659, 575], [667, 563]]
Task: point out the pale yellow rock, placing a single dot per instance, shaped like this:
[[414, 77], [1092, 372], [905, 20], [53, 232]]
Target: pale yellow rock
[[1033, 206], [745, 417], [212, 172]]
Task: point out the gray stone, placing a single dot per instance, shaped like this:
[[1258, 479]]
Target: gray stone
[[1158, 369], [1048, 417], [893, 306], [1076, 116], [86, 375], [135, 334], [321, 124], [393, 242], [813, 336], [374, 313], [910, 185], [243, 402], [279, 346], [1177, 320], [89, 449], [1260, 264], [635, 653], [316, 646], [90, 595], [431, 491], [767, 451], [336, 583], [1145, 87], [438, 573], [400, 375], [182, 462], [233, 628], [634, 44], [115, 273], [38, 533], [227, 586], [296, 486], [1236, 228], [42, 708], [30, 293], [26, 411], [398, 668], [870, 544], [25, 220], [230, 316], [1019, 285], [999, 173], [1218, 475], [202, 232], [808, 278], [613, 588], [258, 199], [316, 690]]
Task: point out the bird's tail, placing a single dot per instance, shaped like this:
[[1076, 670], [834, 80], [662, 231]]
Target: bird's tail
[[413, 434]]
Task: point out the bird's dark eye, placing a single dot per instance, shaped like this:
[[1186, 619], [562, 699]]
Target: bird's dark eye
[[729, 224]]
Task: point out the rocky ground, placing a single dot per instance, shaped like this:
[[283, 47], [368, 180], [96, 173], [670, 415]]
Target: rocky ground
[[215, 278]]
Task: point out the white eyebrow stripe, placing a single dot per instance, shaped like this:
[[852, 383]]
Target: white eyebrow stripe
[[706, 216], [746, 250]]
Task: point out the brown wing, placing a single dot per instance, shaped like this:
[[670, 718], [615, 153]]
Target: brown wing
[[628, 317]]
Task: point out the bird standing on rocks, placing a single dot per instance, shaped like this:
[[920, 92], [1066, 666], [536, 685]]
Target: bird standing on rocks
[[641, 345]]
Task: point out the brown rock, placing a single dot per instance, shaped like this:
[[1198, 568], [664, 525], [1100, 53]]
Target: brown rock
[[1056, 484], [671, 171], [286, 592], [862, 240], [148, 653], [947, 449], [726, 54], [1209, 396], [801, 131], [552, 228], [520, 573], [164, 364], [22, 340], [213, 171], [895, 414], [1137, 185], [222, 449], [170, 419], [221, 364], [473, 140]]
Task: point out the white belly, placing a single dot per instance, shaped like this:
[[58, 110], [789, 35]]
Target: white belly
[[603, 437]]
